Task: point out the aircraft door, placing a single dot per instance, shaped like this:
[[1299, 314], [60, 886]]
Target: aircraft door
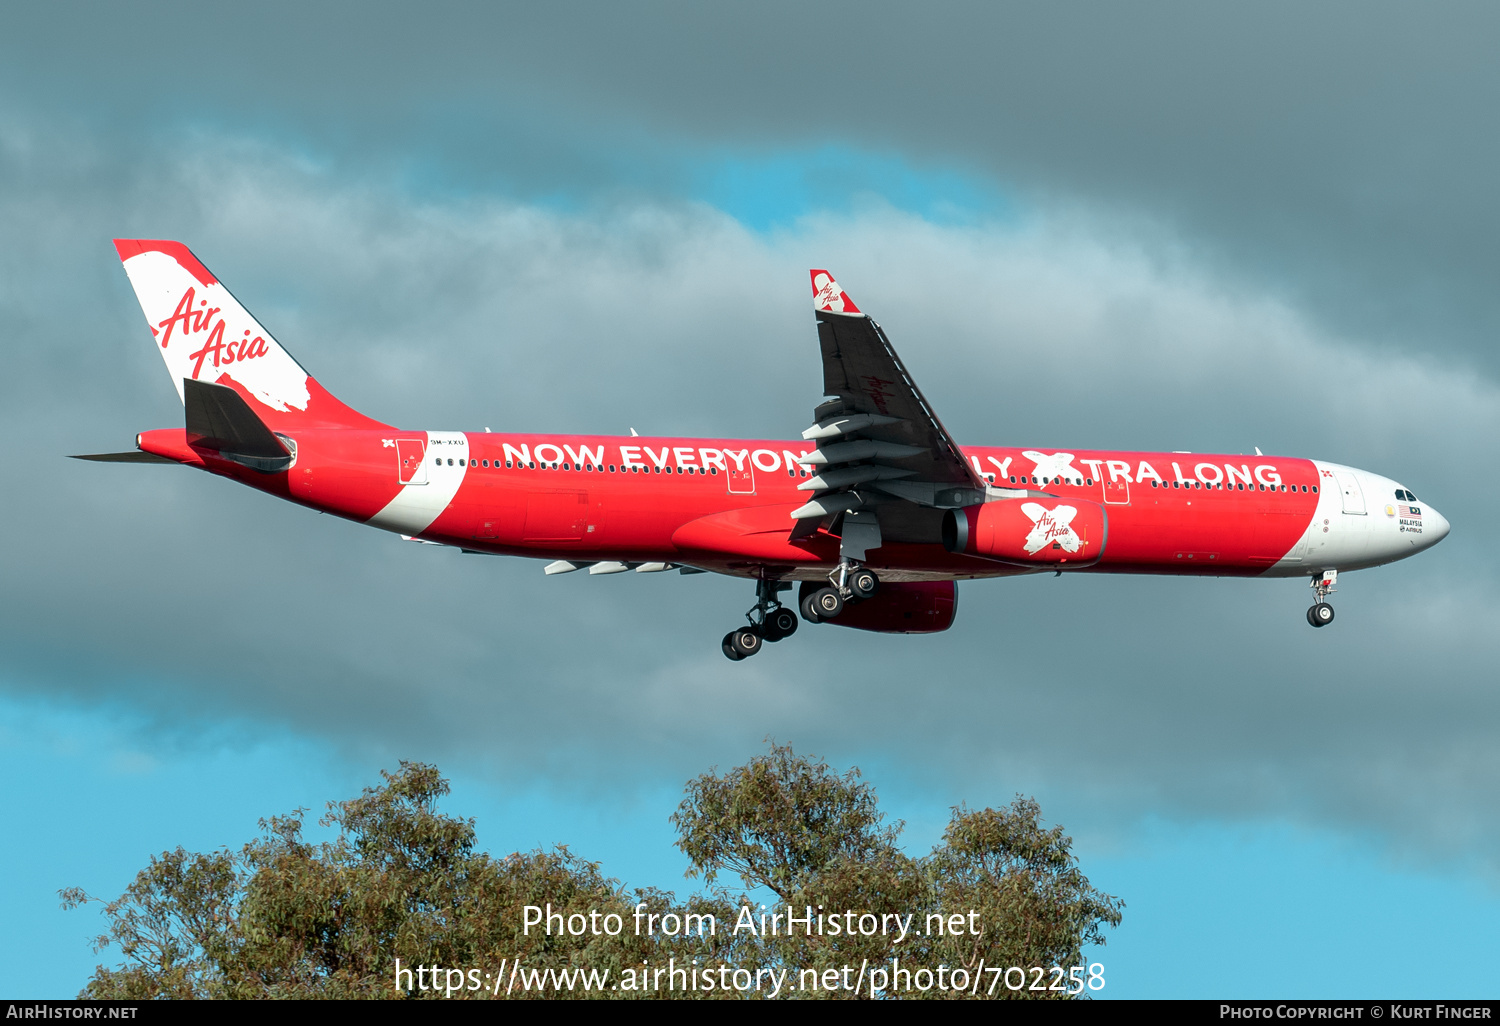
[[741, 473], [1354, 497], [1117, 493], [411, 467]]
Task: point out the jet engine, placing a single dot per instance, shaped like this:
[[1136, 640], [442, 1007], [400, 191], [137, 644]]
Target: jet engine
[[1041, 532]]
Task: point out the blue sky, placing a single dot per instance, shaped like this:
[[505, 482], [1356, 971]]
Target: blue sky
[[1214, 909], [1066, 247]]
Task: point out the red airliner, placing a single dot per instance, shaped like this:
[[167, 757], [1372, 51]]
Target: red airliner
[[876, 511]]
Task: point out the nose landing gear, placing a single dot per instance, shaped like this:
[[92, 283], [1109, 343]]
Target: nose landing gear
[[1320, 614], [769, 621]]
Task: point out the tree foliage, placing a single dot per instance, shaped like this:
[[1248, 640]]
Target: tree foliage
[[283, 917]]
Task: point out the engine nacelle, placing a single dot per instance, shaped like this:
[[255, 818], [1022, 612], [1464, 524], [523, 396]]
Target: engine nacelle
[[1030, 532], [907, 607]]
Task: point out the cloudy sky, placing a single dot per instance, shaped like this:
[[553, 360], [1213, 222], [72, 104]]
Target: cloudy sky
[[1163, 226]]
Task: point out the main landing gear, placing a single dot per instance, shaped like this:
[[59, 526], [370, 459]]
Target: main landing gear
[[1320, 614], [849, 583], [769, 621]]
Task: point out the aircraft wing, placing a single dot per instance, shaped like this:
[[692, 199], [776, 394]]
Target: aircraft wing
[[878, 438]]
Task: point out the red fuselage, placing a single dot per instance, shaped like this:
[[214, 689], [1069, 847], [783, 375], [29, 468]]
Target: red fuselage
[[725, 504]]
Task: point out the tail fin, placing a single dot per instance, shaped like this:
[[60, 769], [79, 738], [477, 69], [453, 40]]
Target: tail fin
[[204, 334]]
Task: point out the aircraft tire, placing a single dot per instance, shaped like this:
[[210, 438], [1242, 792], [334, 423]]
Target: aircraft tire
[[745, 641], [781, 624], [729, 649], [863, 583], [1320, 615], [827, 603], [809, 610]]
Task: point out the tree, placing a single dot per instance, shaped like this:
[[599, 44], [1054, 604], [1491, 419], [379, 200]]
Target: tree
[[778, 819], [792, 825], [402, 885]]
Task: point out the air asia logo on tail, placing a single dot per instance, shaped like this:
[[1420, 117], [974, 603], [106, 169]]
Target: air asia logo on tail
[[1051, 525], [202, 331], [192, 322]]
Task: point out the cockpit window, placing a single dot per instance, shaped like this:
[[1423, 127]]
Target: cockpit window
[[1405, 496]]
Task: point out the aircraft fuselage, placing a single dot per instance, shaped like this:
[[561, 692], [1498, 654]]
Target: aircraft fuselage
[[724, 504]]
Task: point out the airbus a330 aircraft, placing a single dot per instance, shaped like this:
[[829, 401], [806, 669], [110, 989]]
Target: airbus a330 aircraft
[[876, 511]]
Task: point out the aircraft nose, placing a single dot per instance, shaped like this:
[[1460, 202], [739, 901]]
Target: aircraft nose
[[1437, 526]]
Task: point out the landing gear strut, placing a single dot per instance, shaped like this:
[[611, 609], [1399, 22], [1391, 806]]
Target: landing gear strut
[[769, 620], [1320, 614]]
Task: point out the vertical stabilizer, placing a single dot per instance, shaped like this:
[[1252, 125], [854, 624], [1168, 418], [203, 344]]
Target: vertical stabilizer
[[204, 334]]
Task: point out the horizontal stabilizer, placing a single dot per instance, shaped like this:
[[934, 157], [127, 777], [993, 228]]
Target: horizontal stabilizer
[[135, 456], [218, 418]]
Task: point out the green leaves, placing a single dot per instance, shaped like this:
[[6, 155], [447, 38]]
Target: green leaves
[[815, 838], [285, 918], [778, 818]]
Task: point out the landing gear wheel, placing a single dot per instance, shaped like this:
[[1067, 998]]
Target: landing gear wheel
[[863, 583], [809, 608], [745, 641], [827, 603], [781, 624], [1320, 615], [729, 649]]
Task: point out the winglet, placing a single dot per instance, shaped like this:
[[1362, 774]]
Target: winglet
[[828, 295]]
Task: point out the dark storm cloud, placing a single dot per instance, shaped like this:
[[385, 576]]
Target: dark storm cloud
[[1342, 154], [190, 596]]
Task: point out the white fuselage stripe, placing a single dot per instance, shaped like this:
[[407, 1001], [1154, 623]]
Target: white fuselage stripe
[[416, 506]]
